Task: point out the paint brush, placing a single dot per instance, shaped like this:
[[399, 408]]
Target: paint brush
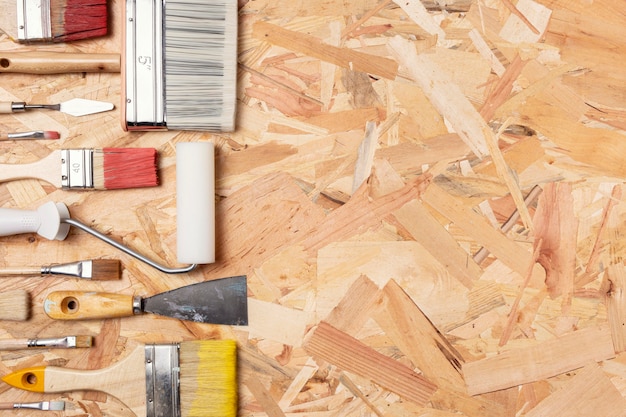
[[36, 134], [65, 342], [41, 405], [75, 107], [95, 269], [93, 169], [51, 21], [180, 69], [14, 305], [189, 83], [195, 378]]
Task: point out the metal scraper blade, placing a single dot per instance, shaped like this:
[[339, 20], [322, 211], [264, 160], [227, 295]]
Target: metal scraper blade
[[220, 301]]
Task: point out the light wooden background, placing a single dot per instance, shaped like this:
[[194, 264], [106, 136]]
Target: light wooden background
[[364, 175]]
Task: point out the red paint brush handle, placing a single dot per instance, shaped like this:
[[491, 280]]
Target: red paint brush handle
[[58, 62], [79, 305]]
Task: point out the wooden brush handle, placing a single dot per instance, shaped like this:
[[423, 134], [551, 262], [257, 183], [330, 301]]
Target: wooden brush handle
[[6, 406], [125, 380], [78, 305], [14, 344], [20, 271], [58, 62], [47, 169]]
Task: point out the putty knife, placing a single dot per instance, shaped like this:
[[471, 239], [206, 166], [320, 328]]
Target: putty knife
[[220, 301], [74, 107]]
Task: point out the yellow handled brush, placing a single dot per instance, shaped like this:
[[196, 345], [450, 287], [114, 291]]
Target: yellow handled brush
[[196, 378]]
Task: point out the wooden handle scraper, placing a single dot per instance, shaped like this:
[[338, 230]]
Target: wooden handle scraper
[[220, 301]]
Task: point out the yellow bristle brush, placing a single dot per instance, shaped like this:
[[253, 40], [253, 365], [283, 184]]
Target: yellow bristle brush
[[195, 378]]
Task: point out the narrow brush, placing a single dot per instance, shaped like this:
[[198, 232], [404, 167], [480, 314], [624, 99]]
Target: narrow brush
[[41, 405], [65, 342], [96, 269], [51, 21], [75, 107], [95, 169], [14, 305], [190, 82], [37, 134], [196, 378]]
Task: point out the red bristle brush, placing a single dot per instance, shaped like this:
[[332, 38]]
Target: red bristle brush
[[53, 20], [95, 169], [114, 167], [37, 134]]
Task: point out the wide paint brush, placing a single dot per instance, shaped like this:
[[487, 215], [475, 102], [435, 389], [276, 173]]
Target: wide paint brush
[[90, 169], [50, 21], [220, 301], [188, 379]]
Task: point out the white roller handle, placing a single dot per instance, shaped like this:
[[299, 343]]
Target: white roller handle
[[195, 202], [45, 221]]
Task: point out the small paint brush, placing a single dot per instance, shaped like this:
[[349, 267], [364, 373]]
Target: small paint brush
[[65, 342], [14, 305], [74, 107], [50, 21], [41, 405], [95, 269], [36, 134], [193, 378], [93, 169]]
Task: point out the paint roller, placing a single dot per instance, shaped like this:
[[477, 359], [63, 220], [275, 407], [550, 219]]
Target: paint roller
[[195, 213]]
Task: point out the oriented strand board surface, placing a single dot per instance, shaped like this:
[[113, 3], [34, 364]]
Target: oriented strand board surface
[[451, 112]]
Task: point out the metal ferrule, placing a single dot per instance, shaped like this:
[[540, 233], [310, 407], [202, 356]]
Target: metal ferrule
[[36, 134], [80, 269], [59, 342], [162, 381], [137, 307], [30, 406], [77, 168], [144, 86], [18, 106], [33, 20]]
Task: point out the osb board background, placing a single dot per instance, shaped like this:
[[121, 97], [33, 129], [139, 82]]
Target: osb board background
[[380, 145]]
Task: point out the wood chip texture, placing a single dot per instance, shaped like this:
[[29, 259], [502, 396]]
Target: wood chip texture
[[379, 146]]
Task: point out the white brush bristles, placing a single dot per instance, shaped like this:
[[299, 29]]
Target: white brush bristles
[[14, 305], [200, 64]]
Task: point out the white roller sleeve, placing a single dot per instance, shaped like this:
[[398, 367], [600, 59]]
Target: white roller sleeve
[[45, 221], [195, 202]]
